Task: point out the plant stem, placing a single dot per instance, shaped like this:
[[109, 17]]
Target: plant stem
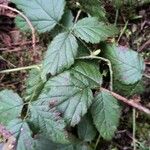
[[134, 128], [108, 63], [116, 18], [21, 68], [77, 17], [97, 141], [27, 111], [123, 30]]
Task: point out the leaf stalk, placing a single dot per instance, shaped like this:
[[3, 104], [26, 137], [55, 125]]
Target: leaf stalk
[[21, 68]]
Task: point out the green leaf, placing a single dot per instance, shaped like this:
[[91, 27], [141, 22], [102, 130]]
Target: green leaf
[[74, 147], [86, 129], [43, 143], [128, 90], [118, 4], [23, 134], [34, 85], [106, 113], [94, 8], [91, 30], [70, 95], [66, 21], [128, 65], [131, 3], [61, 54], [10, 106], [44, 15], [48, 121], [89, 71], [82, 50]]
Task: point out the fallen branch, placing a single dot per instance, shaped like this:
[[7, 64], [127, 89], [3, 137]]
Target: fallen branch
[[128, 102], [28, 22]]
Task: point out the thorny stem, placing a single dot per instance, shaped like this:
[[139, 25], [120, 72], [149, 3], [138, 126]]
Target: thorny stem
[[21, 68], [108, 63], [27, 20], [128, 102], [134, 128]]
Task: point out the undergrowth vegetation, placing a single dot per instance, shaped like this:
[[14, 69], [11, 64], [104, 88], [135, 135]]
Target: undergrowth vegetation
[[71, 97]]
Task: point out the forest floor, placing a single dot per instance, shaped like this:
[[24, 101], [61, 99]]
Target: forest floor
[[16, 51]]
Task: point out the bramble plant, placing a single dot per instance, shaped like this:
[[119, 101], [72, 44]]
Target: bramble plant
[[64, 93]]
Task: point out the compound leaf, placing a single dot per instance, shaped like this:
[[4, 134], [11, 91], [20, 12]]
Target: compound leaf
[[10, 106], [60, 54], [70, 95], [89, 71], [128, 65], [91, 30], [21, 131], [44, 15], [106, 113], [48, 121]]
